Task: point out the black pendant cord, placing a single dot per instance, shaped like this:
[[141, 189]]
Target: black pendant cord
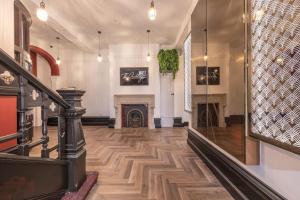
[[148, 31], [58, 46], [99, 45]]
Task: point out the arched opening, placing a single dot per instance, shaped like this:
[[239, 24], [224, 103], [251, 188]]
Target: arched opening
[[135, 119], [34, 51]]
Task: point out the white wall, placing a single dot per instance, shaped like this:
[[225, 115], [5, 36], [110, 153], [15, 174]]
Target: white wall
[[7, 26], [44, 71], [134, 55], [279, 169], [81, 70]]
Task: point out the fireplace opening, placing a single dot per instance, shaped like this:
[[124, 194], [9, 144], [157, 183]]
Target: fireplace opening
[[134, 115], [210, 119], [135, 119]]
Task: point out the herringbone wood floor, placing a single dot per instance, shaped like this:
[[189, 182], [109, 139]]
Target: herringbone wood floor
[[140, 164]]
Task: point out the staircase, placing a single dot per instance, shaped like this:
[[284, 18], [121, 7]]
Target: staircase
[[25, 177]]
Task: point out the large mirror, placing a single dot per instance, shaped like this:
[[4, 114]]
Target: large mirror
[[218, 74]]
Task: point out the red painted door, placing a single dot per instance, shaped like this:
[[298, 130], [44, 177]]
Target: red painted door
[[8, 119]]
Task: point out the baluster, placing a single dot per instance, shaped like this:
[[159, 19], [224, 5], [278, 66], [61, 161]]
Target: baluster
[[45, 137], [23, 148], [61, 130]]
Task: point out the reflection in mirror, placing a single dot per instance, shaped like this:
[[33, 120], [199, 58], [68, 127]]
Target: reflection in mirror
[[218, 43]]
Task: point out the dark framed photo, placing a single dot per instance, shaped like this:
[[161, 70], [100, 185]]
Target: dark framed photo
[[134, 76], [210, 73]]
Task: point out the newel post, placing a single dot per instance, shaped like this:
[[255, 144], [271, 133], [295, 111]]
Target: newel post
[[74, 150]]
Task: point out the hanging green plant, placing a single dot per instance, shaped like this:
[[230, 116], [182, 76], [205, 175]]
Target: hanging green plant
[[168, 61]]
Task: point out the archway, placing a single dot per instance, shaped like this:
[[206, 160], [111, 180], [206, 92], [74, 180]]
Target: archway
[[34, 50]]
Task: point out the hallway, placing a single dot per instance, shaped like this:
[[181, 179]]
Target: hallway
[[141, 164]]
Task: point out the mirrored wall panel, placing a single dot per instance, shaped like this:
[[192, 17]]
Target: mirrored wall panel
[[218, 74]]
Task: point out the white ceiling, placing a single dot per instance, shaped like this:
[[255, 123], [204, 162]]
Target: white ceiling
[[121, 21]]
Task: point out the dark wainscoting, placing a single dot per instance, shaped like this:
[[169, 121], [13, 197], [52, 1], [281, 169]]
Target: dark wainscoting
[[238, 181], [235, 119], [111, 123], [157, 122], [185, 123], [178, 122], [86, 121]]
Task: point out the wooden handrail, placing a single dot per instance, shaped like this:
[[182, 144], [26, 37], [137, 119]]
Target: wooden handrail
[[12, 65]]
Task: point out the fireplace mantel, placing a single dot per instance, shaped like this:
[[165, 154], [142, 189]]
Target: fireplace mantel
[[120, 99]]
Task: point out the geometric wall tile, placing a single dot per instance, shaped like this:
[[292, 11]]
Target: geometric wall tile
[[275, 95]]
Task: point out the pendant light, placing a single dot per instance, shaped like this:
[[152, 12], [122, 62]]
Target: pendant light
[[148, 54], [99, 48], [58, 61], [41, 12], [152, 11]]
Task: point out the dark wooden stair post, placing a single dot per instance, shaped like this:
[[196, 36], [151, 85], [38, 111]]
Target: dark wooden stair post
[[73, 149]]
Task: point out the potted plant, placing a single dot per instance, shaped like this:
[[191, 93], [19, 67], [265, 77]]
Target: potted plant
[[168, 61]]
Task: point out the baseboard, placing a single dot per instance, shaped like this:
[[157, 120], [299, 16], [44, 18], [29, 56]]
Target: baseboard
[[86, 121], [237, 180]]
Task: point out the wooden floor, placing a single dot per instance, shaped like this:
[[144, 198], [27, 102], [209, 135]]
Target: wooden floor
[[138, 164]]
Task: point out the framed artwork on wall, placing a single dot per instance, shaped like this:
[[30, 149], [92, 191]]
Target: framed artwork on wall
[[134, 76], [188, 74], [212, 73]]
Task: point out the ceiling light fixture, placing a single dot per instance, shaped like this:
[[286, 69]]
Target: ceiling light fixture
[[58, 61], [152, 11], [99, 48], [41, 12], [148, 54]]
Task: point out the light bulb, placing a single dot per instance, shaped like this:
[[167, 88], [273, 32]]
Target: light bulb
[[148, 58], [100, 58], [259, 15], [41, 12], [205, 58], [152, 12], [58, 61]]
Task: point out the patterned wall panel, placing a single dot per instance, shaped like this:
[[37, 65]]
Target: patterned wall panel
[[188, 74], [276, 72]]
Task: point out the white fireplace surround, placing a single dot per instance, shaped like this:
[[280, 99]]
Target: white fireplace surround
[[134, 99]]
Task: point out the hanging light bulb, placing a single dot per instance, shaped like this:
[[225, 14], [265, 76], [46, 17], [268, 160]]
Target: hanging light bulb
[[99, 58], [41, 12], [58, 61], [152, 12], [148, 58]]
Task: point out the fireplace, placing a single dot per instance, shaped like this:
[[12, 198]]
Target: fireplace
[[216, 107], [210, 119], [145, 103], [134, 115]]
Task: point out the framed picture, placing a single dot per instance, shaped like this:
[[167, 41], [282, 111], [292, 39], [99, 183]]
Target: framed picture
[[212, 73], [188, 74], [134, 76]]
